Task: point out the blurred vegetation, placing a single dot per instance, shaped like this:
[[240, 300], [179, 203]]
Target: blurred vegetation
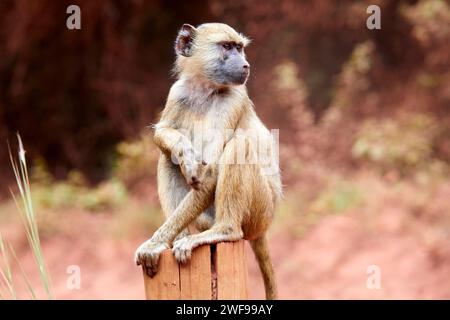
[[405, 144], [121, 194], [337, 198], [74, 192], [348, 101], [298, 214], [135, 162], [76, 95]]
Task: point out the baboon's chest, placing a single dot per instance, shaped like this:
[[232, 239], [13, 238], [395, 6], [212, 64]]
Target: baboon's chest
[[210, 127]]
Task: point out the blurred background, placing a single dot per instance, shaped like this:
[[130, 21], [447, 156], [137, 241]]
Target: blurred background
[[364, 119]]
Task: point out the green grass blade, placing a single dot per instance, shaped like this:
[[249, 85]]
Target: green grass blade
[[24, 275], [28, 215], [5, 270]]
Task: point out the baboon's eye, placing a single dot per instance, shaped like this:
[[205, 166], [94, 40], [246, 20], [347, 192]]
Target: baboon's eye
[[226, 46], [239, 47]]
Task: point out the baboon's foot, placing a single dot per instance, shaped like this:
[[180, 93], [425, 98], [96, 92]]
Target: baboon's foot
[[182, 249], [147, 255]]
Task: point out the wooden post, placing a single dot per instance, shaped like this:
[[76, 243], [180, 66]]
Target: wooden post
[[214, 272]]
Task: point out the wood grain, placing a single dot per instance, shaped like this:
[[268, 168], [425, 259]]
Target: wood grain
[[193, 281], [232, 271], [195, 276], [165, 285]]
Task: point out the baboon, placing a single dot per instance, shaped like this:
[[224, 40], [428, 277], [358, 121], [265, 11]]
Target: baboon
[[210, 172]]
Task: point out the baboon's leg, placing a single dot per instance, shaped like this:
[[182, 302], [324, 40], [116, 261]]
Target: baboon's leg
[[233, 200], [192, 205], [244, 206], [172, 189], [206, 220], [219, 232]]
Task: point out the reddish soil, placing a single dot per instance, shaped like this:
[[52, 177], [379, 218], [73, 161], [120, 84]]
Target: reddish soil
[[328, 262]]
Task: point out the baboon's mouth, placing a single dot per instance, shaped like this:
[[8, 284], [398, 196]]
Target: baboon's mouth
[[240, 78]]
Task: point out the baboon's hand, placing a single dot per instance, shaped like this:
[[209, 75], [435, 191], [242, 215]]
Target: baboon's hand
[[147, 255], [192, 167]]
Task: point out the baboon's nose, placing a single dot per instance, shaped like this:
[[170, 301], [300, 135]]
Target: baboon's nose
[[246, 67]]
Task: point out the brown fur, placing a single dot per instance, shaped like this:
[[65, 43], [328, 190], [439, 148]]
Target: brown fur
[[227, 200]]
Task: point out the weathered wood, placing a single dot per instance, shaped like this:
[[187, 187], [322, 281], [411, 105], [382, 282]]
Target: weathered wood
[[195, 276], [194, 280], [232, 271], [165, 285]]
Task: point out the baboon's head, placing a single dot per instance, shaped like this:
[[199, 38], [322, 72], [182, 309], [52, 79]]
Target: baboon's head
[[213, 51]]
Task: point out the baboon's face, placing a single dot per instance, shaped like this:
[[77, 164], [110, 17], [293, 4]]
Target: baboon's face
[[214, 51], [228, 66]]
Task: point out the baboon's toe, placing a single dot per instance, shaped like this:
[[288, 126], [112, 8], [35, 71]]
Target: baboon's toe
[[182, 250]]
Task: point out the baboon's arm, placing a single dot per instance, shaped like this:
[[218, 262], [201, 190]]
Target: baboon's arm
[[173, 142], [190, 208]]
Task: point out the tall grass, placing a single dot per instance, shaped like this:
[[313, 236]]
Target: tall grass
[[5, 271], [28, 217]]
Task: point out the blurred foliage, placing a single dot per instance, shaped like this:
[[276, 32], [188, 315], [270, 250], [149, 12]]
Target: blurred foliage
[[138, 218], [76, 94], [337, 198], [65, 194], [298, 213], [405, 144], [74, 192], [354, 77], [431, 20], [287, 78], [337, 90], [136, 160]]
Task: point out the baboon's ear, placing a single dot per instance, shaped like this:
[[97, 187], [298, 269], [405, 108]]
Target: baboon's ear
[[185, 40]]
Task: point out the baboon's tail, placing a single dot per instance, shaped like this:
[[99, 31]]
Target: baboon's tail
[[261, 251]]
